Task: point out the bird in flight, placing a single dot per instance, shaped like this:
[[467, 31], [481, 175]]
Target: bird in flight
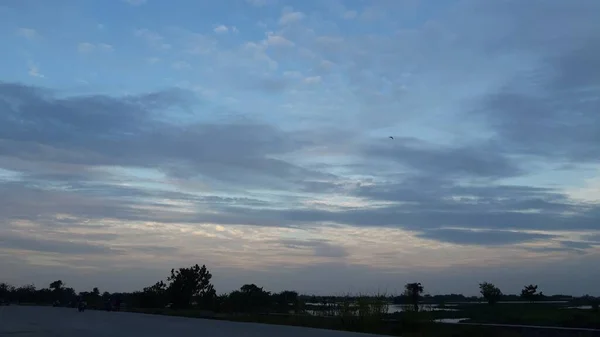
[[391, 137]]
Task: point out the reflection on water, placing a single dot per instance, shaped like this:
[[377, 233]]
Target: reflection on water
[[584, 307], [450, 320], [422, 307], [332, 310]]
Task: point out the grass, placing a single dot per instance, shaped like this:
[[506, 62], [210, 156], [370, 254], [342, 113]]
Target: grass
[[411, 324], [529, 314]]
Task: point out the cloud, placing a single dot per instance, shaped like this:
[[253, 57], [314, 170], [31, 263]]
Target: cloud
[[273, 40], [181, 65], [151, 38], [34, 71], [28, 33], [87, 47], [129, 121], [482, 237], [153, 60], [18, 242], [351, 14], [319, 248], [291, 17], [593, 237], [484, 159], [312, 79], [222, 29]]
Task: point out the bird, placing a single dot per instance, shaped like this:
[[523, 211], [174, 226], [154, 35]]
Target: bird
[[391, 137]]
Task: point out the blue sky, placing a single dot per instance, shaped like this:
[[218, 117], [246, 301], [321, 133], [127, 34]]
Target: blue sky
[[253, 136]]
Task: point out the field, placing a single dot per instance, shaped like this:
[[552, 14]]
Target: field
[[424, 323]]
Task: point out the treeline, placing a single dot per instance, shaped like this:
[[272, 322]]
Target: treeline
[[192, 288], [184, 288]]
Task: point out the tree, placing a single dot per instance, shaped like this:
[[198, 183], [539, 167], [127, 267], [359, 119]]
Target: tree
[[530, 293], [154, 296], [57, 285], [413, 292], [490, 292], [285, 299], [57, 289], [191, 284], [250, 298], [6, 290]]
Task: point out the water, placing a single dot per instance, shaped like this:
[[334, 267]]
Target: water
[[450, 320], [422, 307], [391, 308], [583, 307]]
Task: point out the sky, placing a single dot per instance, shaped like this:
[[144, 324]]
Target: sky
[[255, 136]]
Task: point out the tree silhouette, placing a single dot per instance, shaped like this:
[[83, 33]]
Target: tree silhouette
[[57, 285], [154, 296], [490, 292], [413, 292], [530, 292], [250, 298], [285, 299], [191, 284]]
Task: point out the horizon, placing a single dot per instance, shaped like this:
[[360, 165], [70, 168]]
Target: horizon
[[318, 146]]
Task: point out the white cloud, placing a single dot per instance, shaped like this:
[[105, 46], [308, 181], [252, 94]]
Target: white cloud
[[329, 40], [153, 60], [104, 47], [34, 71], [136, 2], [326, 65], [290, 17], [87, 47], [277, 41], [181, 65], [292, 74], [349, 15], [312, 80], [153, 39], [261, 24], [28, 33], [221, 29]]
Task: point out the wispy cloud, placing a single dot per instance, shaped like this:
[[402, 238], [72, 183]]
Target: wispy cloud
[[28, 33], [153, 39], [290, 17], [181, 65], [88, 47], [222, 29], [34, 71]]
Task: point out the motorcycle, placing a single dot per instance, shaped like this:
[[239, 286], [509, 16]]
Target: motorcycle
[[81, 307]]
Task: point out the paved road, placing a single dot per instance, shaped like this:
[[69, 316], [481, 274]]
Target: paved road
[[16, 321]]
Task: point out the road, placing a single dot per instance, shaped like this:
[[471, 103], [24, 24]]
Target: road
[[25, 321]]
